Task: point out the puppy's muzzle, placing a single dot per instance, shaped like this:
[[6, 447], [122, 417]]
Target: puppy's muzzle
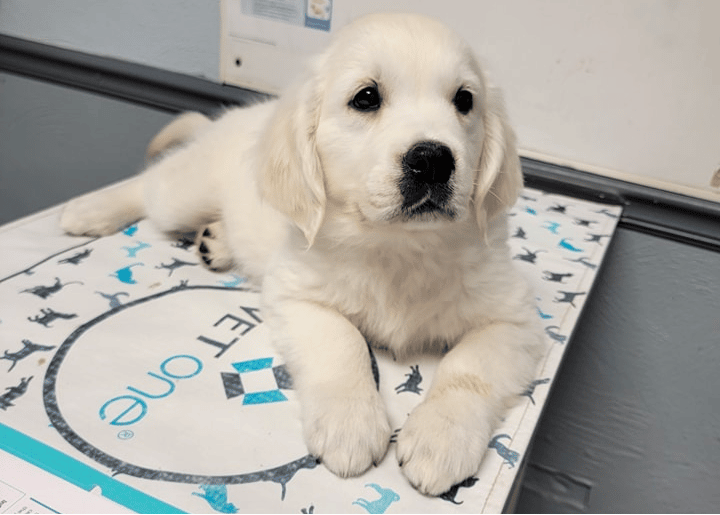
[[425, 183]]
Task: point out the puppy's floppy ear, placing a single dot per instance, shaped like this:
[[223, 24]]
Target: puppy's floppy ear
[[499, 177], [291, 177]]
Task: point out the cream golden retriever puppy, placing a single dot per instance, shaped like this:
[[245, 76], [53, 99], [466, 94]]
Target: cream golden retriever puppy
[[369, 201]]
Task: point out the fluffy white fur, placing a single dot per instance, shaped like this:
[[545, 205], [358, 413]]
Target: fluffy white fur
[[302, 193]]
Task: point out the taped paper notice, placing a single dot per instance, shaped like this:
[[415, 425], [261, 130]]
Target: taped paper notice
[[265, 43], [314, 14]]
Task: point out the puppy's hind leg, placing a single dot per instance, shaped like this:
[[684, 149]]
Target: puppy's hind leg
[[106, 211], [151, 193]]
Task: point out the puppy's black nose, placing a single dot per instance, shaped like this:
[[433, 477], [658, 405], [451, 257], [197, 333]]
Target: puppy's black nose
[[429, 162]]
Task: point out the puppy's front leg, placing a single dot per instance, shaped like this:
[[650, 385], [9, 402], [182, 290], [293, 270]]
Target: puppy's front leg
[[344, 420], [445, 437]]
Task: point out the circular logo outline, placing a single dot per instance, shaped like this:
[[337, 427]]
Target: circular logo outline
[[281, 474]]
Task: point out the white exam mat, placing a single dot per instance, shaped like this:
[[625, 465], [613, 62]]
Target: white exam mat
[[125, 365]]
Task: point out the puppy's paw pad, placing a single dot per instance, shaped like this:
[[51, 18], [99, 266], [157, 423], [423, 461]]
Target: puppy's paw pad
[[439, 447], [211, 248], [348, 435]]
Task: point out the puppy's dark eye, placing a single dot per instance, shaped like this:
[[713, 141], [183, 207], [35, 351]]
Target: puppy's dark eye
[[366, 100], [463, 101]]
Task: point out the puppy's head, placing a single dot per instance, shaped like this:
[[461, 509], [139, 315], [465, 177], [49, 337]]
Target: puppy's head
[[394, 125]]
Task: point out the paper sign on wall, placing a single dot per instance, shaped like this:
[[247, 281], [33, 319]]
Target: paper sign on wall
[[265, 42], [314, 14]]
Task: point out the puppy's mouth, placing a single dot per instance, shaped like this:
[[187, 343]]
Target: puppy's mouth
[[428, 202]]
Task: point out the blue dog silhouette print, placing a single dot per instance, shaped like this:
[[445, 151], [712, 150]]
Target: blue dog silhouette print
[[216, 497], [125, 275], [387, 497], [414, 378], [511, 457], [132, 251]]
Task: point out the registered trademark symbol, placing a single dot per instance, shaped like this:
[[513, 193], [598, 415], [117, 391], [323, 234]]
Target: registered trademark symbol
[[125, 434]]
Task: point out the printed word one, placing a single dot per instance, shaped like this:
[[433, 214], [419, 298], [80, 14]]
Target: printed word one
[[129, 409]]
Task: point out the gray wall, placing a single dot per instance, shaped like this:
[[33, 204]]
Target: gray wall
[[178, 35], [56, 143], [572, 91], [633, 424]]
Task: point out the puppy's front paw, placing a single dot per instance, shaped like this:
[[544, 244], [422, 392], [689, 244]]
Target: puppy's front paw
[[348, 434], [442, 443], [212, 249]]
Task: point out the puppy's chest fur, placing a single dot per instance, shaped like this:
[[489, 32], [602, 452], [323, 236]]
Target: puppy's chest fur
[[405, 299]]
